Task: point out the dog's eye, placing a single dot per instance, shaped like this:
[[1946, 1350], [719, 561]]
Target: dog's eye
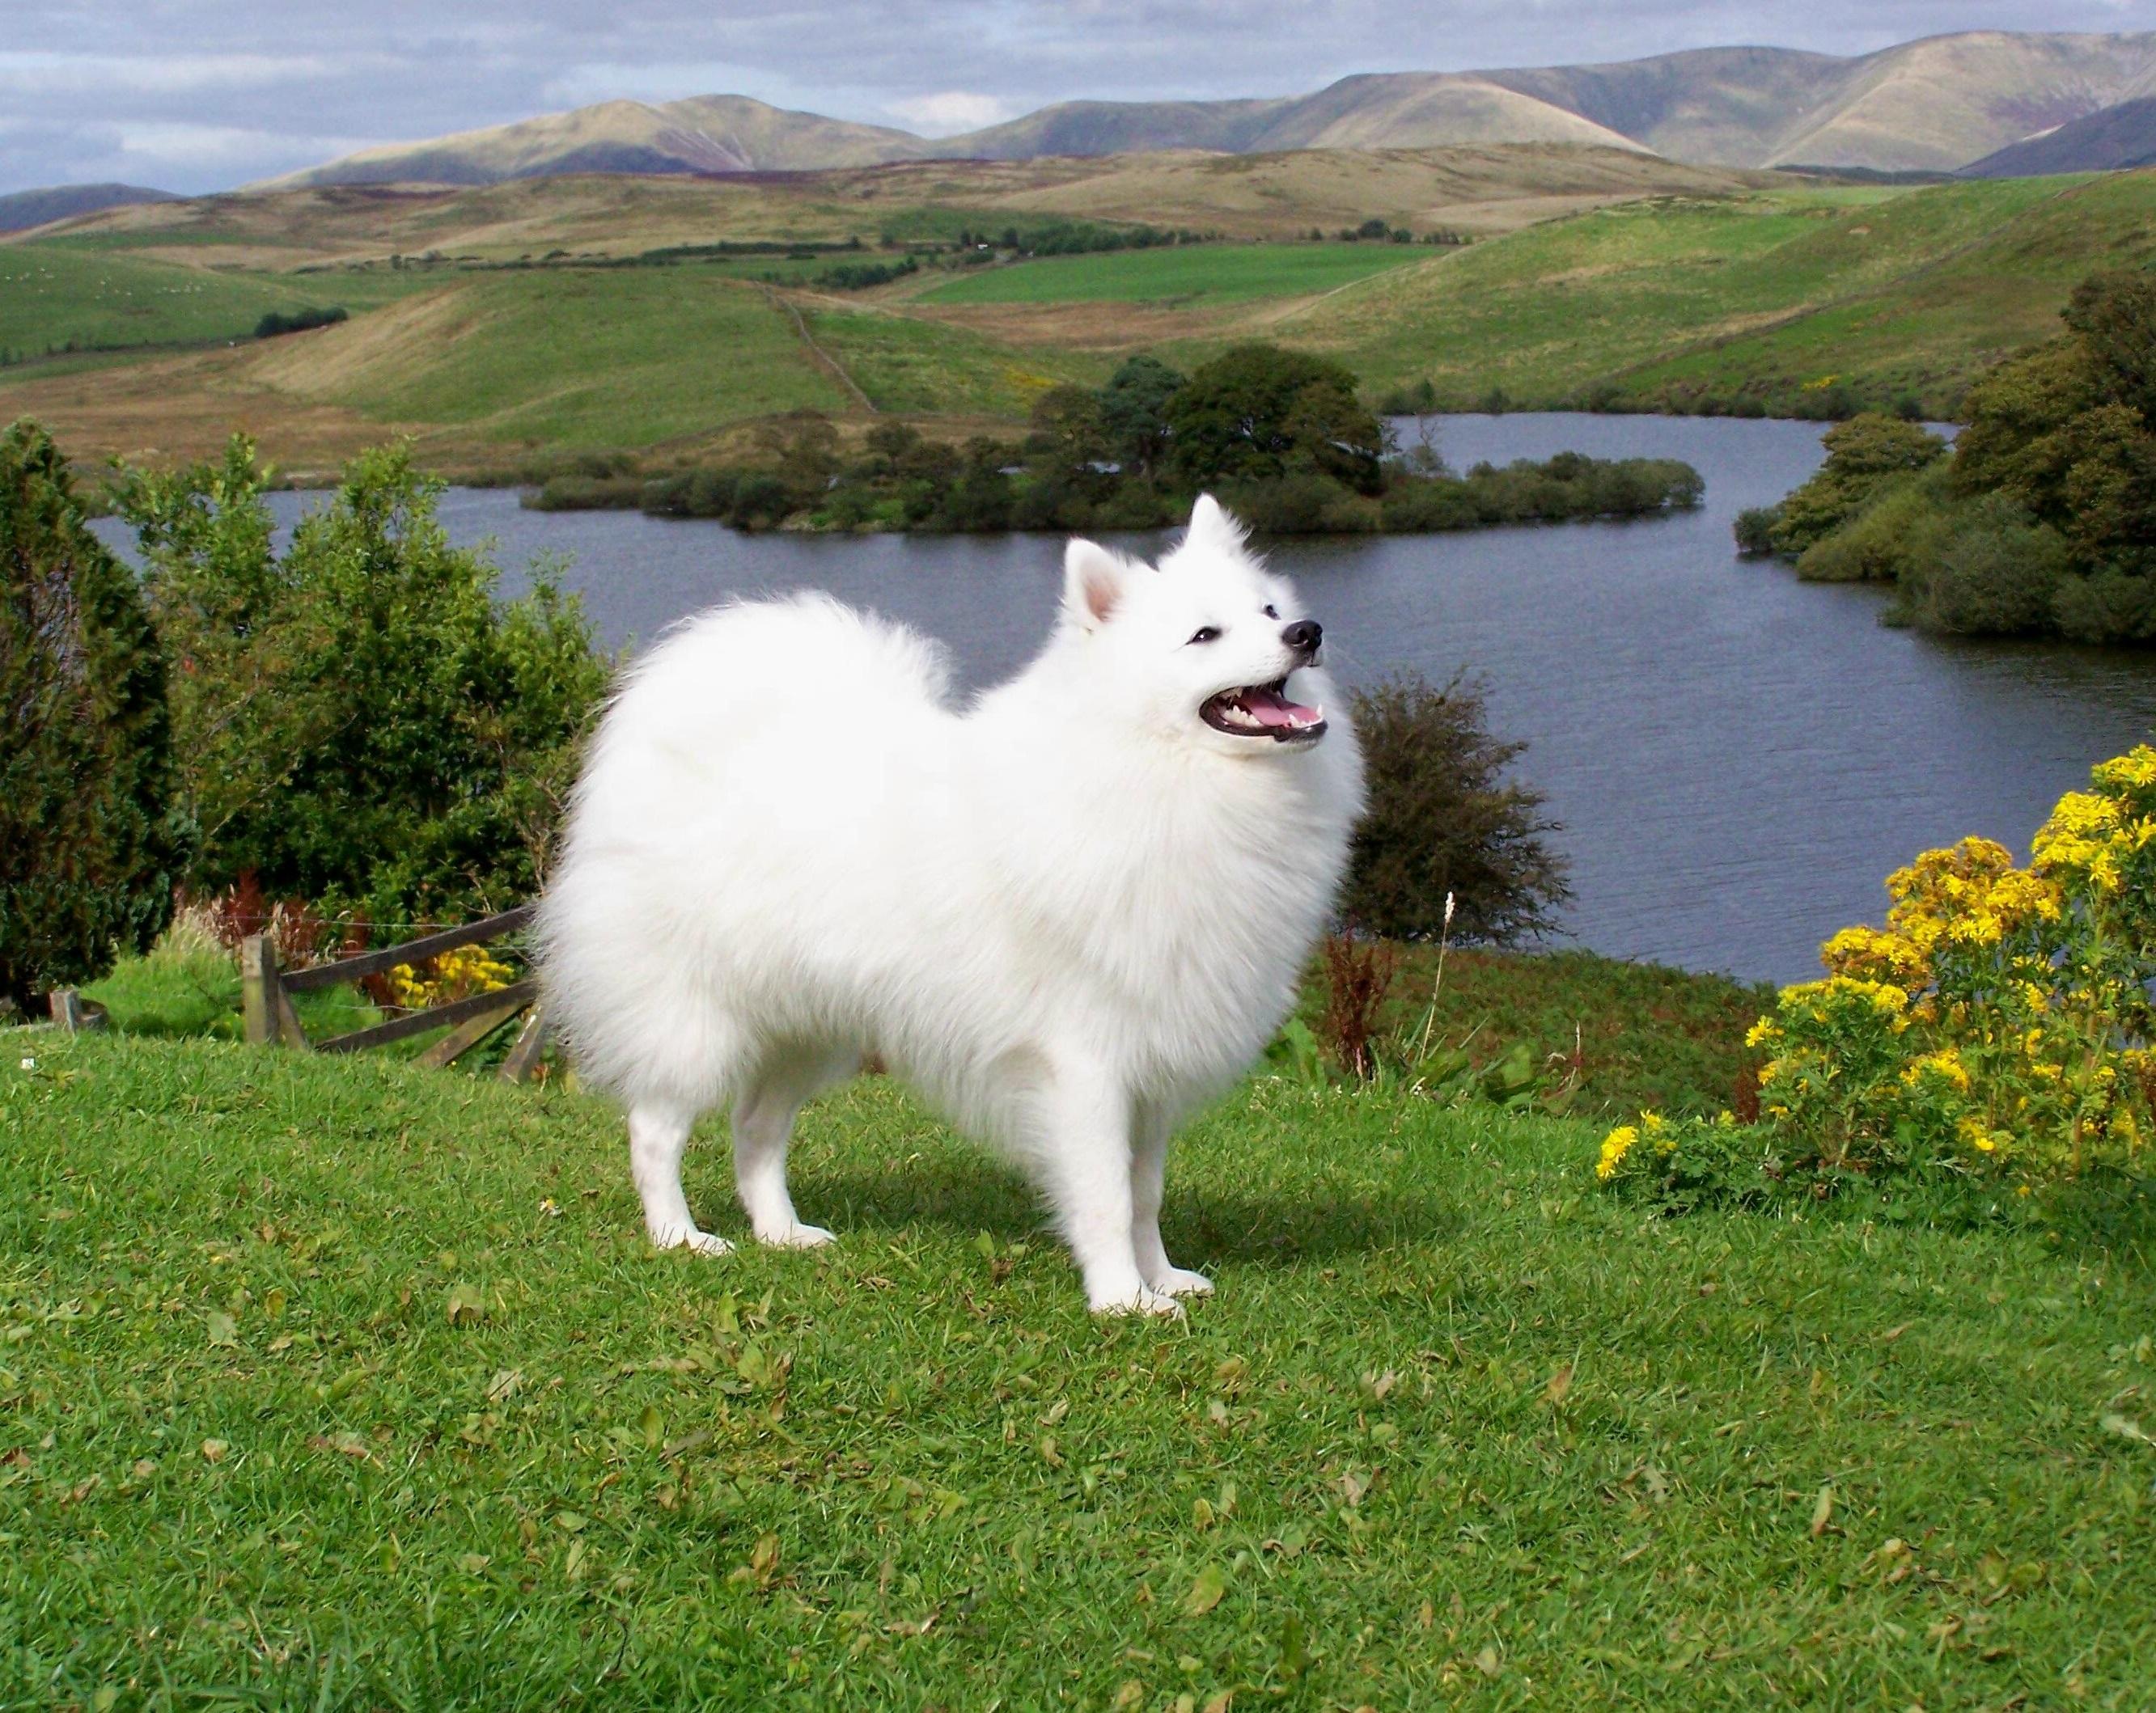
[[1269, 612], [1206, 633]]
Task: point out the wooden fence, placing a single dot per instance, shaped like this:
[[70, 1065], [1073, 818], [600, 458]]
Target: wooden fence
[[266, 999]]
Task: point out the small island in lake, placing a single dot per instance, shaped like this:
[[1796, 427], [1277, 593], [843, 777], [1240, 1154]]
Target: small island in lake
[[1283, 438]]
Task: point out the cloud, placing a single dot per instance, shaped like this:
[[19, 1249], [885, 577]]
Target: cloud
[[199, 78], [951, 111]]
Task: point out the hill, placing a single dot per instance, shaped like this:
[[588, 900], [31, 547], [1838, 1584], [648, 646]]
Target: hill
[[703, 133], [1931, 105], [1481, 190], [23, 209], [2123, 135], [1778, 299]]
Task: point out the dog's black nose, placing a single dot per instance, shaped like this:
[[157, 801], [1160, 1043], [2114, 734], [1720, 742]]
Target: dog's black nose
[[1305, 634]]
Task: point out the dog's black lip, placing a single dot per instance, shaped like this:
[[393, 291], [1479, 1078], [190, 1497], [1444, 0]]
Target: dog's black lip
[[1278, 734]]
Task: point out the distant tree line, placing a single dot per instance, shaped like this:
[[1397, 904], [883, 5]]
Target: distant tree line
[[1282, 437], [2041, 521]]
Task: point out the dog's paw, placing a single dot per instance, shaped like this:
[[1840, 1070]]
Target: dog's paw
[[796, 1236], [701, 1243], [1180, 1281], [1144, 1300]]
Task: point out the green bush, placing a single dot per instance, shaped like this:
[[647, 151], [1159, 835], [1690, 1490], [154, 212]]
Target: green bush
[[2106, 606], [1442, 824], [1863, 455], [1895, 535], [1990, 571], [359, 722], [90, 841]]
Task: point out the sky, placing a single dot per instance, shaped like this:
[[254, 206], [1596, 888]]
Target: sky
[[192, 95]]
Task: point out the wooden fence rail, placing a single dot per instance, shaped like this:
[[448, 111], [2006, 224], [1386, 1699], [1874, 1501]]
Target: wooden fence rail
[[266, 999]]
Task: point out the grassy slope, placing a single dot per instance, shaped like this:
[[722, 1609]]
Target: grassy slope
[[51, 295], [1931, 332], [1548, 313], [1205, 273], [912, 1470], [619, 358], [925, 367]]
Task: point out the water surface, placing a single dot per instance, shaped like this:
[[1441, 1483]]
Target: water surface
[[1737, 758]]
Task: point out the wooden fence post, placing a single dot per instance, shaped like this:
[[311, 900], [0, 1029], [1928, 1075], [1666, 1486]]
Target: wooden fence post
[[531, 1042], [259, 989]]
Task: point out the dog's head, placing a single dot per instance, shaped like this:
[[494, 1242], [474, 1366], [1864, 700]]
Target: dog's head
[[1211, 646]]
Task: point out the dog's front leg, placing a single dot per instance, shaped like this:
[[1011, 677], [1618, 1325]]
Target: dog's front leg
[[1149, 1135], [1087, 1146]]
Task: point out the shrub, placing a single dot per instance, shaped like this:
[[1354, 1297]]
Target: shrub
[[1755, 529], [1897, 533], [90, 843], [273, 324], [359, 722], [1863, 455], [1442, 822], [1983, 570], [1998, 1026]]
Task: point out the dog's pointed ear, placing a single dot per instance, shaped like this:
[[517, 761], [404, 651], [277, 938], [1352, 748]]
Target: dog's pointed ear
[[1210, 524], [1093, 580]]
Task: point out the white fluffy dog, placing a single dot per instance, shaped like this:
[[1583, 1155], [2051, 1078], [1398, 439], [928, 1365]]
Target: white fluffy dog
[[1068, 914]]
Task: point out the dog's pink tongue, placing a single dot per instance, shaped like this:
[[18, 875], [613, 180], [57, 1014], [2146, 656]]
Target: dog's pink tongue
[[1274, 709]]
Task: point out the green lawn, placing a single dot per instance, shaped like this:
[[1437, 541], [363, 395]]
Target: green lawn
[[1910, 290], [348, 1384], [55, 296], [1194, 274]]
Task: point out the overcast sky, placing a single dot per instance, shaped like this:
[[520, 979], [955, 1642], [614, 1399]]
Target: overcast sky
[[199, 96]]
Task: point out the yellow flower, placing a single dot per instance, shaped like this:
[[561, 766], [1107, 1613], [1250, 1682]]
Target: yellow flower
[[1946, 1063], [1614, 1147]]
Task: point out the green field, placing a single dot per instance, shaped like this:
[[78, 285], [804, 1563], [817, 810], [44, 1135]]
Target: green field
[[54, 297], [352, 1385], [1203, 274], [623, 357], [1891, 291], [925, 367]]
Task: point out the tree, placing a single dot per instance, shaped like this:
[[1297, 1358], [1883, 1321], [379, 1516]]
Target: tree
[[1441, 821], [360, 722], [1257, 412], [1864, 455], [1133, 413], [89, 845]]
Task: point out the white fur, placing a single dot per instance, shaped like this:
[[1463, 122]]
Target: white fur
[[1068, 915]]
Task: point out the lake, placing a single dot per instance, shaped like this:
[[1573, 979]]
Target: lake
[[1737, 758]]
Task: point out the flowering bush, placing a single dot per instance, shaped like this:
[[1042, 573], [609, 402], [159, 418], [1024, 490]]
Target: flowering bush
[[1999, 1023], [454, 975]]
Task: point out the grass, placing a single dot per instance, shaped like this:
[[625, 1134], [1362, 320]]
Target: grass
[[617, 358], [1188, 274], [311, 1398], [53, 296], [923, 367], [1760, 292], [1630, 1036]]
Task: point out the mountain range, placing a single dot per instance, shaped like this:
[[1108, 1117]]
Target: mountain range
[[26, 208], [1942, 103]]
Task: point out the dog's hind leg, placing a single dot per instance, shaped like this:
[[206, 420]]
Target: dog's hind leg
[[763, 1124], [1149, 1134], [658, 1138]]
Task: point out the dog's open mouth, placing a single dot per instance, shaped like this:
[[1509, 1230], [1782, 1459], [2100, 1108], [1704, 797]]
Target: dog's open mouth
[[1263, 710]]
